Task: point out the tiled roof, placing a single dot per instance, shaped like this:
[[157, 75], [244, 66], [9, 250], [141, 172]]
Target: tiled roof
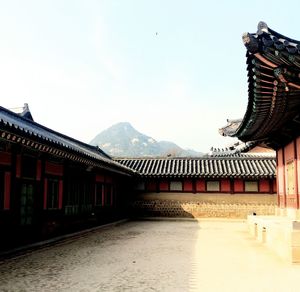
[[18, 129], [233, 150], [273, 112], [213, 167]]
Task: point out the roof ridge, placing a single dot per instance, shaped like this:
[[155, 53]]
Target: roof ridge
[[15, 115]]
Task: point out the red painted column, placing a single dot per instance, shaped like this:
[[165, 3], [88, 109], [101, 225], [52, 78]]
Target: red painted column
[[281, 191], [289, 157], [284, 183], [232, 186], [7, 182], [296, 174]]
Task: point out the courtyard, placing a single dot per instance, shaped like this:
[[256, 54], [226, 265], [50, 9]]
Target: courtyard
[[154, 255]]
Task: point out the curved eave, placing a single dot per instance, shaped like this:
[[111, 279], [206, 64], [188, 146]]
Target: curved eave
[[273, 65], [19, 130]]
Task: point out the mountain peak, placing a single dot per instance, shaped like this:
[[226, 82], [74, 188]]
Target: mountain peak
[[125, 125], [123, 140]]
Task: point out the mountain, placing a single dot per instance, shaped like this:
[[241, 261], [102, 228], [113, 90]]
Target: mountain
[[122, 140]]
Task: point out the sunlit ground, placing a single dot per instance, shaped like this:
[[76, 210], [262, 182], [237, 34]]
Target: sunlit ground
[[205, 255]]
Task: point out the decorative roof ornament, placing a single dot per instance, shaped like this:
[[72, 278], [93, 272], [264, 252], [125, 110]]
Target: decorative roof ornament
[[23, 111], [262, 27]]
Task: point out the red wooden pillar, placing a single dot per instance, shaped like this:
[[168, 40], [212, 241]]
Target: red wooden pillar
[[271, 186], [284, 182], [232, 186], [281, 188], [194, 186], [296, 174]]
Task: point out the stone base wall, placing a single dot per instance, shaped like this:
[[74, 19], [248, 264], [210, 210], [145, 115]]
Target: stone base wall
[[200, 205]]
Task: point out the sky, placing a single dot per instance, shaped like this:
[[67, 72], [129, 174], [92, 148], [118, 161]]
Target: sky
[[174, 69]]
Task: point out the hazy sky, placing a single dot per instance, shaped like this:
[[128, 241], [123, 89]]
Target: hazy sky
[[174, 69]]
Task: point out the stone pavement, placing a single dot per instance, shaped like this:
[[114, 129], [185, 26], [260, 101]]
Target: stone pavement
[[205, 255]]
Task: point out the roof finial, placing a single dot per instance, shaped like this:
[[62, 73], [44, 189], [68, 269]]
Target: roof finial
[[262, 27]]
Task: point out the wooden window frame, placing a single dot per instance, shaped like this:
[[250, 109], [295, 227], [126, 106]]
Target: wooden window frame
[[53, 183], [251, 181], [176, 189], [207, 182]]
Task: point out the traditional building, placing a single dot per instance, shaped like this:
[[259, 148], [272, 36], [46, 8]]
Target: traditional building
[[51, 183], [272, 119], [222, 186], [242, 173]]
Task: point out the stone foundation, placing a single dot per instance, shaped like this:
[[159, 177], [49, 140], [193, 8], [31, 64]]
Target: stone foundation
[[203, 205]]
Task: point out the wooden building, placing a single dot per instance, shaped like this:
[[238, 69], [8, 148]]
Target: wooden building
[[239, 173], [272, 119], [224, 186], [51, 183]]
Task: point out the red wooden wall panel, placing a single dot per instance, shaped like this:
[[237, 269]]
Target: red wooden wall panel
[[53, 168], [264, 186], [99, 178], [187, 185], [151, 186], [200, 185], [163, 186], [5, 158], [238, 186], [225, 185]]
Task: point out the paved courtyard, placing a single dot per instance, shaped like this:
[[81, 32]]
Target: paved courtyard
[[205, 255]]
